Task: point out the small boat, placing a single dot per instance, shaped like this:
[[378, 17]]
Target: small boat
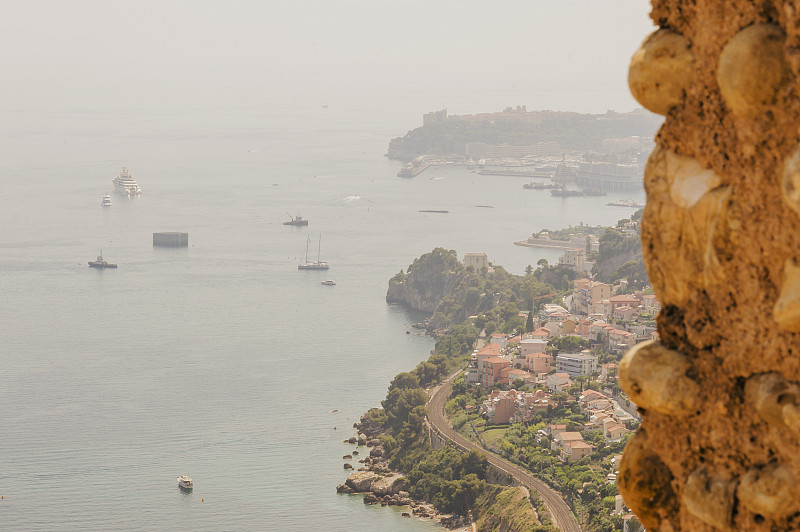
[[100, 262], [106, 200], [329, 282], [296, 220], [185, 483], [628, 202]]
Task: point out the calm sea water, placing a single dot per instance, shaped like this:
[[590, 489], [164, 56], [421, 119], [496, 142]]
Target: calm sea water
[[222, 360]]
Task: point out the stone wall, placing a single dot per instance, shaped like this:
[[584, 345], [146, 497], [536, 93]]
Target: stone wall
[[718, 448]]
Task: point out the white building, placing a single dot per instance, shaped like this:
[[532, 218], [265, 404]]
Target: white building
[[575, 260], [476, 260], [584, 363]]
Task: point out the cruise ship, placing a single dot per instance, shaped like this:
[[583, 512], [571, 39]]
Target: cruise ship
[[124, 183]]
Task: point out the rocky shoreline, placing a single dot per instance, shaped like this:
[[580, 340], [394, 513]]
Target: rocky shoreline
[[380, 484]]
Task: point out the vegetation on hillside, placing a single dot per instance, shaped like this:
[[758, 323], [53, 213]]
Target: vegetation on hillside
[[620, 254], [452, 481], [495, 298], [492, 301]]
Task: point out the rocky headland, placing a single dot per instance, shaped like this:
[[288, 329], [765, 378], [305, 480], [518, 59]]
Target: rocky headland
[[380, 484], [450, 134]]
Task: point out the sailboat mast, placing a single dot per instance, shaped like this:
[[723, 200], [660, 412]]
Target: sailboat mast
[[319, 247]]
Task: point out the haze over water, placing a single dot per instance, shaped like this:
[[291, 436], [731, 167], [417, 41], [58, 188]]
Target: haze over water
[[223, 361]]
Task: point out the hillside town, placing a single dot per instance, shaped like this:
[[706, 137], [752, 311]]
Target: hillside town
[[566, 362]]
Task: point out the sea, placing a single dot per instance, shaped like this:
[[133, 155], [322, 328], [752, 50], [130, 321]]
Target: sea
[[221, 360]]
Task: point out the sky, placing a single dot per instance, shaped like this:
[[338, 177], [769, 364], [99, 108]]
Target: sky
[[109, 53]]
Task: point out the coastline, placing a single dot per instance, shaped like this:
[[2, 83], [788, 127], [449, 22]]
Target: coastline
[[382, 485]]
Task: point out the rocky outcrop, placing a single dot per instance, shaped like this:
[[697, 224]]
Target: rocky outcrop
[[430, 279]]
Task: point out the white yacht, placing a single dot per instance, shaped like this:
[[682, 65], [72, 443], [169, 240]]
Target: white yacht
[[185, 482], [311, 265], [124, 183], [106, 200]]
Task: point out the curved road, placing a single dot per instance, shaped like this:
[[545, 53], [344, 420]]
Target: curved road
[[559, 511]]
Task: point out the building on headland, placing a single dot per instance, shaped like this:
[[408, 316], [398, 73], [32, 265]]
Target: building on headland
[[575, 260], [612, 177], [480, 150], [434, 117], [476, 260]]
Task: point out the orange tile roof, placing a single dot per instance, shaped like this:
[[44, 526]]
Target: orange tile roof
[[491, 349]]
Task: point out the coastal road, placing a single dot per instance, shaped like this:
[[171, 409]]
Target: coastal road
[[562, 516]]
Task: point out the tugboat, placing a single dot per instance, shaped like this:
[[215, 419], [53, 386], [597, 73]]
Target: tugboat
[[106, 200], [185, 483], [296, 220], [100, 262]]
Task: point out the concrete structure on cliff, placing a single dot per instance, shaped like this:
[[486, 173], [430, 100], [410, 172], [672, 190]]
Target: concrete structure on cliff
[[719, 444]]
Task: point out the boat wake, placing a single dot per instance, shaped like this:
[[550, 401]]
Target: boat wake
[[354, 198]]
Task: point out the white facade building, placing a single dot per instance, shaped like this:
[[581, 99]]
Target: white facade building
[[584, 363]]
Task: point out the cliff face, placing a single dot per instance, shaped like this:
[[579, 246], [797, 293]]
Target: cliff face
[[430, 278], [604, 269], [719, 445]]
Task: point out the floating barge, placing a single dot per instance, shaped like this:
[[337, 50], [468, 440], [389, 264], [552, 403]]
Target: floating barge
[[171, 240]]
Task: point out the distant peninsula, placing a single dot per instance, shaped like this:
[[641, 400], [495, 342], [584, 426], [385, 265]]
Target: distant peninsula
[[475, 136]]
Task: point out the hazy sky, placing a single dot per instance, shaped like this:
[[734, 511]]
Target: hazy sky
[[108, 53]]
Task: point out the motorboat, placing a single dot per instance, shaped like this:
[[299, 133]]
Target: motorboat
[[185, 482], [100, 262], [329, 282], [628, 202], [106, 200]]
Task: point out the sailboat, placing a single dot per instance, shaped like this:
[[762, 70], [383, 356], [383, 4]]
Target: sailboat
[[306, 265]]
